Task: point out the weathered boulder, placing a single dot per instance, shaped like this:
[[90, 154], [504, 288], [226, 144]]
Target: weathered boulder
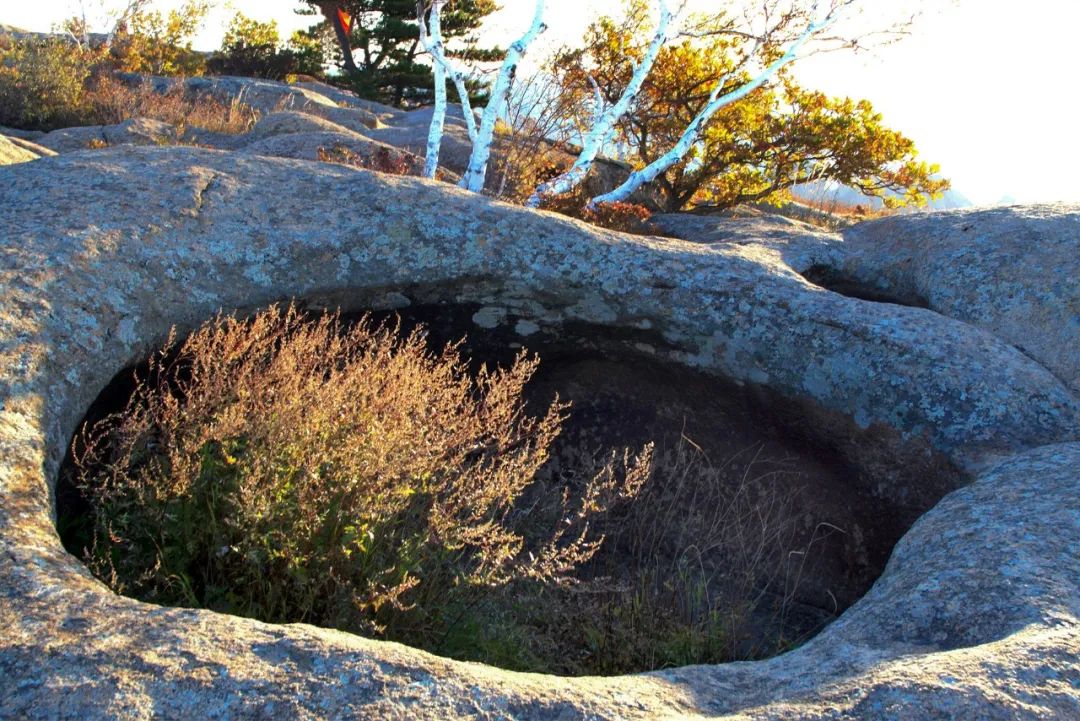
[[264, 96], [17, 150], [1012, 271], [976, 615], [355, 119], [285, 123], [349, 99], [306, 146], [270, 96], [134, 131]]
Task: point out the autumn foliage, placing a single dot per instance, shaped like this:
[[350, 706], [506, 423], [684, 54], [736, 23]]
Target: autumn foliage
[[751, 150], [295, 470], [624, 217]]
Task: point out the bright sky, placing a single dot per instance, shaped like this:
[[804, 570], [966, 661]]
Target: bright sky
[[984, 87]]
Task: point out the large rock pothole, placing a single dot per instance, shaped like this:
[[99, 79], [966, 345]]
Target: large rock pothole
[[827, 533], [976, 609]]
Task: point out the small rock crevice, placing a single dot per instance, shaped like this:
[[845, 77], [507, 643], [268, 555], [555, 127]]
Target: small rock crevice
[[838, 281]]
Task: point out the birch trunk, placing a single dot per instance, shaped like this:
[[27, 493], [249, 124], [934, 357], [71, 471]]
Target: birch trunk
[[476, 171], [716, 101], [604, 125], [432, 39]]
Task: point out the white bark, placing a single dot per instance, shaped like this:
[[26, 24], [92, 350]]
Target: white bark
[[431, 37], [433, 44], [476, 171], [466, 104], [716, 101], [604, 124], [133, 8]]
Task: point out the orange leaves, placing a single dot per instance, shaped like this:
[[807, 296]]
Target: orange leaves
[[773, 139]]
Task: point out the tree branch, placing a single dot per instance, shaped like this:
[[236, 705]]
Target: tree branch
[[476, 171], [603, 127]]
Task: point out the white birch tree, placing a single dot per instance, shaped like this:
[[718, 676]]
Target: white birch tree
[[476, 172], [432, 41], [603, 126], [606, 117], [692, 134]]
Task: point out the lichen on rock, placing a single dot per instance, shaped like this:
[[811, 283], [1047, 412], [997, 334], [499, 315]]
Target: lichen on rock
[[976, 614]]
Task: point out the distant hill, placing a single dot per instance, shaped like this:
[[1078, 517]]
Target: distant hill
[[825, 192]]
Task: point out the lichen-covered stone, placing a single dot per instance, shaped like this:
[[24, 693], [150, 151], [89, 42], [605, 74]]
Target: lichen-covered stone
[[134, 131], [1014, 271], [13, 150], [976, 615]]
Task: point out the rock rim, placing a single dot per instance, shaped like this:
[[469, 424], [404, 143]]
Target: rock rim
[[1014, 271], [976, 614]]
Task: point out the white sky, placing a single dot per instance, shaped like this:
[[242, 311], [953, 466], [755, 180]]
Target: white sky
[[986, 88]]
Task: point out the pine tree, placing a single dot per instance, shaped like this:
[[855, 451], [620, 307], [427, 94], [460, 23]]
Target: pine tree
[[379, 43]]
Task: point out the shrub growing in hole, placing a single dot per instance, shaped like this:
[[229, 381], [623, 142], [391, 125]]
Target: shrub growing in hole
[[296, 470]]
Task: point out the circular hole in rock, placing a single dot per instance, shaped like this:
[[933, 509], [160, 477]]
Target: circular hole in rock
[[754, 530]]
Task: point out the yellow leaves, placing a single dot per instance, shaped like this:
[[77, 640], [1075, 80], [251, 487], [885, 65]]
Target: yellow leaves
[[750, 150]]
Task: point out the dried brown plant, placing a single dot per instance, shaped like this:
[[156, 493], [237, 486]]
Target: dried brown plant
[[295, 469]]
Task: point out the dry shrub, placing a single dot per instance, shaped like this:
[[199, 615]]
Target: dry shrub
[[382, 160], [621, 216], [110, 101], [41, 83], [298, 470], [54, 83]]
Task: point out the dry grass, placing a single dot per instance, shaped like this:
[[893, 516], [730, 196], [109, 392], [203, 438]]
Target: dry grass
[[295, 470], [48, 84], [700, 566], [835, 206], [111, 101]]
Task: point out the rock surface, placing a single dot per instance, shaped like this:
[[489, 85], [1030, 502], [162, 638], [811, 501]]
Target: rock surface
[[286, 123], [306, 146], [976, 615], [134, 131], [801, 245], [1014, 271], [17, 150]]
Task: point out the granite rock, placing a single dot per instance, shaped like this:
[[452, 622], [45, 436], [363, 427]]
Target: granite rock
[[975, 616], [1014, 271]]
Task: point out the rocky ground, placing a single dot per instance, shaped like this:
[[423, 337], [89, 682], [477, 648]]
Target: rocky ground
[[295, 121], [937, 352]]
